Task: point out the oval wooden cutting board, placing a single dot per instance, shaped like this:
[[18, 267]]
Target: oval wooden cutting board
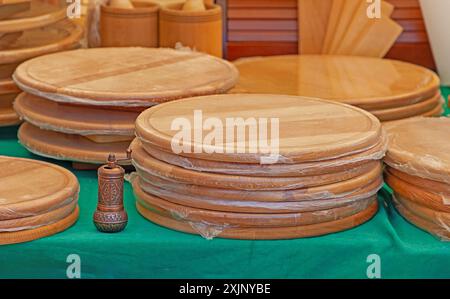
[[420, 147], [308, 129], [69, 147], [71, 119], [268, 170], [262, 233], [138, 76], [40, 14], [31, 187], [228, 219], [64, 35], [144, 163], [369, 83]]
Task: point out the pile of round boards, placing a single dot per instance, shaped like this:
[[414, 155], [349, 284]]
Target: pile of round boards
[[29, 29], [299, 167], [418, 171], [391, 90], [81, 105], [38, 199]]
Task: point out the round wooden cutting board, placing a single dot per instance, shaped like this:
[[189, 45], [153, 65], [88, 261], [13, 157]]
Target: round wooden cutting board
[[40, 14], [420, 147], [8, 86], [270, 233], [138, 76], [144, 163], [31, 187], [278, 170], [8, 117], [369, 83], [308, 129], [40, 232], [225, 219], [69, 147], [64, 35], [70, 119], [6, 100], [430, 185]]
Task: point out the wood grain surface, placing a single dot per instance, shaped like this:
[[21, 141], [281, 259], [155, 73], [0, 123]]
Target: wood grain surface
[[263, 233], [429, 185], [347, 129], [369, 83], [8, 117], [9, 8], [8, 86], [6, 100], [69, 147], [168, 74], [41, 232], [31, 187], [313, 18], [69, 119]]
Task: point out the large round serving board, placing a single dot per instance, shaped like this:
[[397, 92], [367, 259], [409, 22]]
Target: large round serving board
[[420, 147], [261, 233], [69, 147], [138, 77], [308, 129], [40, 232], [369, 83], [31, 187], [40, 14], [70, 119]]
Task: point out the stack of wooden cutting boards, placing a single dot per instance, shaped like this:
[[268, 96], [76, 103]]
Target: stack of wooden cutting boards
[[38, 199], [418, 171], [257, 166], [29, 29], [391, 90], [81, 105]]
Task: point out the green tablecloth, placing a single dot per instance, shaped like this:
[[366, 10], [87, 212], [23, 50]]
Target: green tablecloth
[[145, 250]]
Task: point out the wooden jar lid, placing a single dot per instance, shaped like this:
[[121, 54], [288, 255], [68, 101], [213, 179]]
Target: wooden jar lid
[[64, 35], [420, 147], [69, 147], [40, 14], [277, 170], [40, 232], [145, 163], [70, 119], [369, 83], [226, 219], [31, 187], [309, 129], [138, 76], [262, 233]]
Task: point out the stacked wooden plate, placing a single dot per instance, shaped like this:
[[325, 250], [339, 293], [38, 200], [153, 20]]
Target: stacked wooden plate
[[38, 199], [33, 29], [257, 166], [418, 171], [391, 90], [83, 114]]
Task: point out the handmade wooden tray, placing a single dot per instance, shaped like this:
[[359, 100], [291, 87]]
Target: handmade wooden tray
[[262, 233], [61, 36], [69, 147], [278, 170], [432, 200], [70, 119], [40, 14], [407, 111], [138, 77], [240, 220], [343, 129], [31, 187], [37, 233], [216, 203], [144, 163], [420, 147], [369, 83]]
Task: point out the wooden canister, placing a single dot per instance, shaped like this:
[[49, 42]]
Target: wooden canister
[[123, 27], [199, 30]]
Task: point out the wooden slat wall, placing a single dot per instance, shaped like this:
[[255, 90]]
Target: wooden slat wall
[[269, 27]]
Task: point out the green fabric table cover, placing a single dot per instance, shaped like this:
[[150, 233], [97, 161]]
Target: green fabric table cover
[[146, 250]]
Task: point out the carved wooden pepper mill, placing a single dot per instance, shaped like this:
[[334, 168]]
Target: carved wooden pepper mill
[[110, 215]]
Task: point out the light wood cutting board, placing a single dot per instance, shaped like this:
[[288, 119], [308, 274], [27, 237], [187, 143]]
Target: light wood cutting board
[[348, 12], [337, 9], [313, 16]]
